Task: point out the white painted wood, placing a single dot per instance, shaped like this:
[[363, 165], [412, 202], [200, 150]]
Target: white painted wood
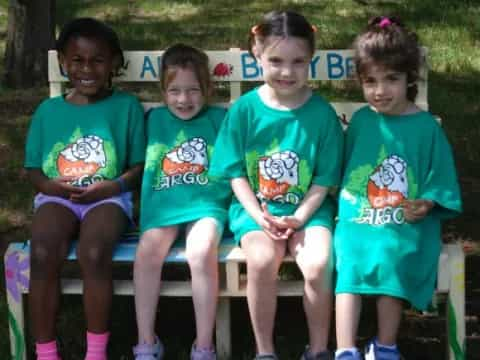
[[56, 89], [237, 65]]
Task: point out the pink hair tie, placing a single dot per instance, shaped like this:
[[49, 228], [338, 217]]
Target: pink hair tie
[[385, 22]]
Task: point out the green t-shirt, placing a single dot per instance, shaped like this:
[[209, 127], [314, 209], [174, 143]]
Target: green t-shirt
[[389, 159], [90, 142], [176, 187], [281, 153]]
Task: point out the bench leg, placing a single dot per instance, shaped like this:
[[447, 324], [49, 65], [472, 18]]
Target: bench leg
[[16, 281], [223, 336], [456, 303]]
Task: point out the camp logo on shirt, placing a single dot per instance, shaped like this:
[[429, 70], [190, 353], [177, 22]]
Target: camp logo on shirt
[[82, 159], [185, 164], [387, 187], [277, 173]]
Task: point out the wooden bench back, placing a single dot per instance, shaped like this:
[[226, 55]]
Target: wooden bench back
[[234, 67]]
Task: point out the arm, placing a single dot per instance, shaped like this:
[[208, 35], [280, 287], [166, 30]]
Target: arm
[[416, 210], [108, 188], [54, 187], [310, 203]]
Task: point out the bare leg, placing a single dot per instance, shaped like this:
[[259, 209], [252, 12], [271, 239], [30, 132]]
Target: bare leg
[[53, 228], [203, 237], [389, 314], [312, 250], [151, 253], [347, 310], [264, 257], [99, 230]]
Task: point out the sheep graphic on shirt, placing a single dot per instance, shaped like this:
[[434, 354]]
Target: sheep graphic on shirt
[[388, 185], [276, 173], [83, 157], [190, 156]]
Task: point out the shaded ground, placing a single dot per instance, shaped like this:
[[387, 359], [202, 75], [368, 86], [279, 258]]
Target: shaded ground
[[423, 338]]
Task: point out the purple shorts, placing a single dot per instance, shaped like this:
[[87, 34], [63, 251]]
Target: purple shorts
[[124, 201]]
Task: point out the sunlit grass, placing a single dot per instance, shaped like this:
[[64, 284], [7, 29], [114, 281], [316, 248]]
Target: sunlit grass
[[449, 29]]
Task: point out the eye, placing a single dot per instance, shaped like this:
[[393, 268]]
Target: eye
[[300, 61], [173, 91], [393, 77], [368, 81], [275, 60]]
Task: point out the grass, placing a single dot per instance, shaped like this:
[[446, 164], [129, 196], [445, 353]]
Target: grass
[[449, 29]]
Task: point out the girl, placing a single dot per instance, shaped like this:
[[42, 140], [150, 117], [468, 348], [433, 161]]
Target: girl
[[84, 151], [282, 149], [180, 137], [399, 182]]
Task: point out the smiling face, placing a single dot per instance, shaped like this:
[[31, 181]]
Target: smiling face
[[385, 90], [183, 93], [89, 65], [285, 62]]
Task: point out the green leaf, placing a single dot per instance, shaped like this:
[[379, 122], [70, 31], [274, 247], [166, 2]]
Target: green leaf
[[304, 176], [50, 164], [251, 159], [110, 171], [358, 179], [412, 184], [155, 154], [273, 148], [17, 334]]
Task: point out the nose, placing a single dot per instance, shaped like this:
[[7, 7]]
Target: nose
[[87, 66], [183, 96], [380, 88], [286, 70]]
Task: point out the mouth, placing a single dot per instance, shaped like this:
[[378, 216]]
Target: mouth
[[184, 108], [87, 82], [382, 102], [285, 83]]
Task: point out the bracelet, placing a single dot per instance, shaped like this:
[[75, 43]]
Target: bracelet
[[123, 184]]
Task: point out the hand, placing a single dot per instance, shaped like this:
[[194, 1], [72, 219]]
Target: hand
[[61, 186], [416, 210], [282, 227], [97, 191]]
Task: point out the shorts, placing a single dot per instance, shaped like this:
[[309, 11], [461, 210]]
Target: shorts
[[124, 201], [242, 223]]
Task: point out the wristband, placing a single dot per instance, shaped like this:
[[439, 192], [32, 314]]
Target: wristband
[[123, 184]]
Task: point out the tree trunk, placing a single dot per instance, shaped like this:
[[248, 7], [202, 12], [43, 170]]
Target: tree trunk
[[30, 34]]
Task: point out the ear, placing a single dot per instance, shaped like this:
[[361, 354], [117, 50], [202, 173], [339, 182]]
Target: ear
[[209, 91], [116, 64], [257, 49]]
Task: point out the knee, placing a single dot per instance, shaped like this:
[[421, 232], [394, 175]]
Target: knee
[[201, 255], [151, 253], [94, 257], [45, 257], [316, 270], [262, 266]]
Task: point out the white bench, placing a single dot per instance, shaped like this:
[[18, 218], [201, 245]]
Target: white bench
[[231, 67]]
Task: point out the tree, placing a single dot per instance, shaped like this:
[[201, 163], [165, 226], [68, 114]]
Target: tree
[[30, 34]]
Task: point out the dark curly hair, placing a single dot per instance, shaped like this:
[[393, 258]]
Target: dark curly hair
[[387, 42], [92, 29]]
